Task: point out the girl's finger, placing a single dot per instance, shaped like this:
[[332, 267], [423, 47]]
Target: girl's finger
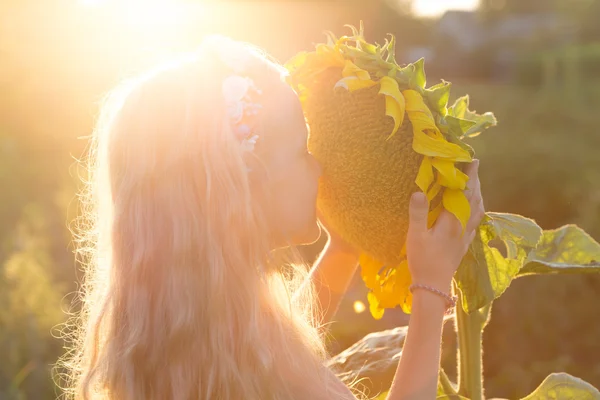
[[417, 213], [473, 185], [477, 214], [447, 224], [469, 240]]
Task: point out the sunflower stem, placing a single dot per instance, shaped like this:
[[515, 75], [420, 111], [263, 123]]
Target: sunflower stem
[[446, 384], [469, 329]]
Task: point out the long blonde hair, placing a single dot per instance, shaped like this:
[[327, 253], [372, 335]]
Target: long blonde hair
[[180, 300]]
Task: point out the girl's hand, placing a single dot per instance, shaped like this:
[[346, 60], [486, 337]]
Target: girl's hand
[[435, 254]]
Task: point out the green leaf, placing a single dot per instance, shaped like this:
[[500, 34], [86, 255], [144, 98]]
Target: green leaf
[[414, 75], [460, 107], [406, 74], [451, 133], [355, 31], [566, 250], [331, 39], [437, 97], [445, 388], [460, 110], [391, 50], [481, 122], [418, 79], [562, 386], [457, 127], [485, 273], [365, 46]]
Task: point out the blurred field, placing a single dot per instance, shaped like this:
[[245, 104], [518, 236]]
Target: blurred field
[[542, 161]]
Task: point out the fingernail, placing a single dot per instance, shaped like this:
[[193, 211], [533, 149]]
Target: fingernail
[[477, 164], [419, 198]]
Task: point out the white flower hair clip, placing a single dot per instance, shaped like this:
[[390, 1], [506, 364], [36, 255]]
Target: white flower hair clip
[[239, 91], [239, 94]]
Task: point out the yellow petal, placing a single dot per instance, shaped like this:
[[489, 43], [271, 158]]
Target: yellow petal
[[460, 182], [426, 145], [369, 270], [297, 61], [421, 122], [434, 190], [434, 214], [415, 103], [353, 83], [455, 202], [407, 305], [387, 295], [425, 175], [394, 101], [427, 138], [330, 55], [350, 69], [436, 134], [374, 308], [450, 176], [403, 282]]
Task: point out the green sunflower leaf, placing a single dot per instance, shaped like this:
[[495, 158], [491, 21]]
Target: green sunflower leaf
[[391, 50], [437, 96], [460, 110], [445, 388], [566, 250], [355, 31], [460, 107], [564, 386], [419, 79], [485, 272], [481, 122], [331, 39], [458, 127], [368, 47], [405, 74]]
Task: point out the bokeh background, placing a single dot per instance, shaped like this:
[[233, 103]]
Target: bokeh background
[[534, 63]]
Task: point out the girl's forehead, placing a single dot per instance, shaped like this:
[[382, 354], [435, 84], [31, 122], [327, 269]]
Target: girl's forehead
[[284, 105]]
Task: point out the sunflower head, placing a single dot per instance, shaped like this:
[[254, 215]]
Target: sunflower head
[[380, 135]]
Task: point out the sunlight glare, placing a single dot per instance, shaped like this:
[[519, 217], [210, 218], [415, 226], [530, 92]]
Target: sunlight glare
[[434, 8], [92, 3], [144, 14], [359, 307]]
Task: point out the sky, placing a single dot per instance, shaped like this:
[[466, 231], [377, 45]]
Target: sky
[[431, 8]]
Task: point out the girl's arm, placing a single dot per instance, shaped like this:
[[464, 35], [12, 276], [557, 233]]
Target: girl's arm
[[332, 273], [433, 257], [417, 373]]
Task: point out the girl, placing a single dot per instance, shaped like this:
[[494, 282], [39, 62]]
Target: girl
[[199, 172]]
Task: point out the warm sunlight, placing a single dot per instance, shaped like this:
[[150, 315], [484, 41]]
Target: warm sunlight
[[92, 2], [142, 14], [359, 307], [434, 8]]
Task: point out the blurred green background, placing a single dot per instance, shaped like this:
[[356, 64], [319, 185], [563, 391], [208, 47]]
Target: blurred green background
[[534, 63]]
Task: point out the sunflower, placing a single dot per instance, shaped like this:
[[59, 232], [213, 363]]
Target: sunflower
[[380, 135]]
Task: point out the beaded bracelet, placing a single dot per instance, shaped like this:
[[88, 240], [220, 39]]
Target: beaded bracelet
[[450, 300]]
